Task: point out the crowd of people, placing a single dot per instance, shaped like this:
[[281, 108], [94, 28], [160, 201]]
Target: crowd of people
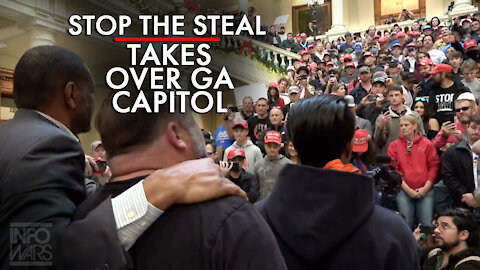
[[414, 93]]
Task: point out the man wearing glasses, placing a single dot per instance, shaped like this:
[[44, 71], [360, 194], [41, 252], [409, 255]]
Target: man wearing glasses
[[450, 133], [456, 237]]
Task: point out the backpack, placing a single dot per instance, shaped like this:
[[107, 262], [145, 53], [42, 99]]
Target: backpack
[[467, 259]]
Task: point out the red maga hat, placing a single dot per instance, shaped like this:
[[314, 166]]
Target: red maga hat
[[273, 136], [235, 153], [441, 68]]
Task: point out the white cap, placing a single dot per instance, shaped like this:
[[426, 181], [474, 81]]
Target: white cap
[[350, 101], [290, 68], [95, 144], [466, 96]]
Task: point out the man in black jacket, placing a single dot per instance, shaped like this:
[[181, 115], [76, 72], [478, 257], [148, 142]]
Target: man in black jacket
[[227, 233], [458, 163], [42, 175], [322, 214], [234, 172]]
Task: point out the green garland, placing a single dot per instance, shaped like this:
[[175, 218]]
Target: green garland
[[257, 55]]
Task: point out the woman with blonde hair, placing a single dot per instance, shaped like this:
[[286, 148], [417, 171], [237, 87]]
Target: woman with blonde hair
[[416, 159]]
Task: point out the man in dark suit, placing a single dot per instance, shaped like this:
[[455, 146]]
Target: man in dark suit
[[227, 233], [42, 175]]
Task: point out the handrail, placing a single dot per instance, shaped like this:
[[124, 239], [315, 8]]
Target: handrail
[[276, 58]]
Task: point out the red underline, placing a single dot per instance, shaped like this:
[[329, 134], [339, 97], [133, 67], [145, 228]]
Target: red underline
[[166, 39]]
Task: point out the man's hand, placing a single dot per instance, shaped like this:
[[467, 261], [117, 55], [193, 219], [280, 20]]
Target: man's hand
[[416, 89], [380, 100], [365, 100], [384, 119], [225, 167], [468, 199], [104, 176], [90, 165], [447, 129], [188, 182], [417, 234], [457, 133]]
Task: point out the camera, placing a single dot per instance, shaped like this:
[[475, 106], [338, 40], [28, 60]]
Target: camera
[[372, 97], [387, 181]]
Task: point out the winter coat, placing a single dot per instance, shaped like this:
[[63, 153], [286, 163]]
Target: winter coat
[[417, 166], [252, 155], [457, 171], [326, 219]]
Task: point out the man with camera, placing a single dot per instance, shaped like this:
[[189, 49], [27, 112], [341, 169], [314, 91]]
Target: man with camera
[[372, 104], [252, 152], [233, 170], [405, 15]]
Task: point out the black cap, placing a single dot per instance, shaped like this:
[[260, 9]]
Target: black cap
[[303, 68]]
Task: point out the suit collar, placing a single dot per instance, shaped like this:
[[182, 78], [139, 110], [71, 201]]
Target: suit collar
[[42, 116]]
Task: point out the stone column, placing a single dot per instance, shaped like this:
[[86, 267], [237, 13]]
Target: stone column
[[40, 36], [463, 6], [243, 6], [337, 17]]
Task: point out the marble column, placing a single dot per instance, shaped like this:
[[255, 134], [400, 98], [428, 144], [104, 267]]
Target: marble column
[[40, 36], [337, 17]]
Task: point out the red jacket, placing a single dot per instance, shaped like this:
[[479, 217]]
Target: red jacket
[[418, 166]]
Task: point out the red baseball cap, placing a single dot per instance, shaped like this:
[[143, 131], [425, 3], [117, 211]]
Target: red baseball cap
[[303, 52], [349, 64], [416, 33], [376, 37], [400, 34], [240, 122], [347, 56], [410, 33], [368, 54], [303, 35], [441, 68], [470, 43], [312, 66], [272, 85], [235, 153], [412, 44], [297, 35], [311, 46], [360, 141], [383, 40], [426, 62], [273, 136], [330, 64]]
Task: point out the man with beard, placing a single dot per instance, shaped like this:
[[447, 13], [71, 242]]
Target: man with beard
[[456, 236], [460, 166], [426, 83], [442, 97], [220, 234]]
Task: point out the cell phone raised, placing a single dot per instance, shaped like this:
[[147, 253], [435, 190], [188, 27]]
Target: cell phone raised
[[102, 166], [233, 108], [427, 230]]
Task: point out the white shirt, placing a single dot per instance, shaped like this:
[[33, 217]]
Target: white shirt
[[132, 212], [475, 167]]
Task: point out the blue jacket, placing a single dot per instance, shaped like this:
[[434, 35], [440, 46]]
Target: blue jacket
[[326, 219]]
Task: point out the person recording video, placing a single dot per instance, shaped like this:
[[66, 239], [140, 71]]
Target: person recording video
[[405, 15]]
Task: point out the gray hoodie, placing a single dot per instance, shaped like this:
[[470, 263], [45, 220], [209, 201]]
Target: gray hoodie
[[252, 155], [267, 171]]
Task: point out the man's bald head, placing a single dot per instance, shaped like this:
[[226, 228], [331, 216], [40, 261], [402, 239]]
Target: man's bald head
[[276, 116], [43, 72]]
